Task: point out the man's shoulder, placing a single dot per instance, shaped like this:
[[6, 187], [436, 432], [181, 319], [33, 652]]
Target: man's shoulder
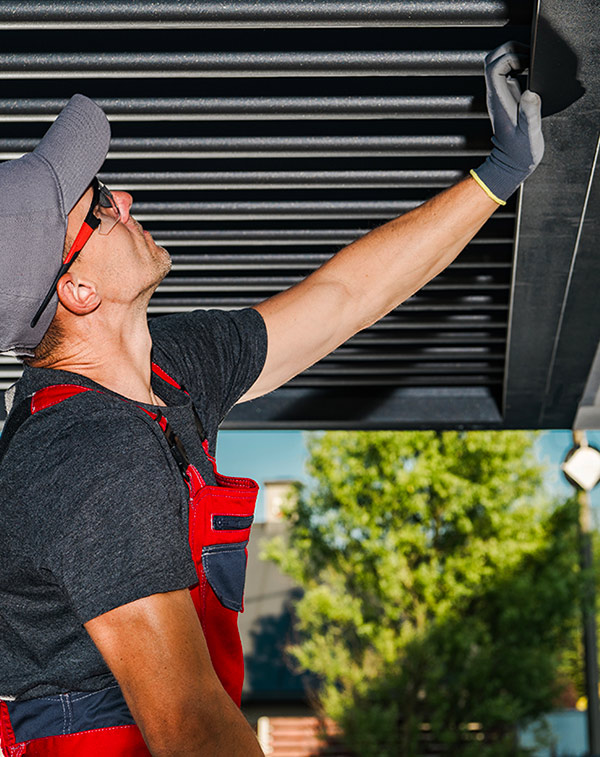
[[71, 436], [215, 354], [209, 326]]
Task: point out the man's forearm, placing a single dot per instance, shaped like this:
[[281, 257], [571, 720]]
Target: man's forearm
[[224, 732], [392, 262]]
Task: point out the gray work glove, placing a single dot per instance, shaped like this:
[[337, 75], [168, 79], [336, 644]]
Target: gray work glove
[[517, 123]]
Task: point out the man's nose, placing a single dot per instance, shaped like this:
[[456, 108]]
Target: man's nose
[[124, 201]]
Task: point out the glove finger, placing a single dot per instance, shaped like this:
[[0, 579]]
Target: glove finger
[[509, 63], [514, 89], [530, 110], [530, 123], [503, 94], [517, 48]]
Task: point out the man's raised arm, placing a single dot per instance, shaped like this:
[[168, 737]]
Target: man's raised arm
[[373, 275]]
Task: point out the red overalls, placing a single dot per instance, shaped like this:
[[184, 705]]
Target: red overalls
[[220, 517]]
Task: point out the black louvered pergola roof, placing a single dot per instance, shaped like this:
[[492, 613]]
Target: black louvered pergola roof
[[260, 137]]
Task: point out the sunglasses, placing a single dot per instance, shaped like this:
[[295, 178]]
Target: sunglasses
[[103, 215]]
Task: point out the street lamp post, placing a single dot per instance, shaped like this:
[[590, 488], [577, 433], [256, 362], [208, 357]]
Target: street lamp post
[[582, 469]]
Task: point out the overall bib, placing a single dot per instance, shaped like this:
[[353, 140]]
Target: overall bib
[[87, 724]]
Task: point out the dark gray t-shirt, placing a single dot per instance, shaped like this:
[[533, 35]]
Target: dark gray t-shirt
[[93, 509]]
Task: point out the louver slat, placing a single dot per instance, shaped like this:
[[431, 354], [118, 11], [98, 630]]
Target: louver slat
[[230, 148], [268, 13], [167, 65], [230, 108]]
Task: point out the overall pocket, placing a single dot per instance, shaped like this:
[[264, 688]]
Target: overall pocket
[[225, 570]]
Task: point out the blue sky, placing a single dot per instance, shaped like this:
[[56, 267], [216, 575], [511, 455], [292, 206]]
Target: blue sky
[[276, 455], [262, 455]]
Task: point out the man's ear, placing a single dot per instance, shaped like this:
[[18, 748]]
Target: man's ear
[[78, 295]]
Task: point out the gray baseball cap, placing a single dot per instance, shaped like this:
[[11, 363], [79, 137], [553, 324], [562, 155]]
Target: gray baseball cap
[[37, 192]]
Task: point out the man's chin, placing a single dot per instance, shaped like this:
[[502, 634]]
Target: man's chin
[[162, 264], [164, 261]]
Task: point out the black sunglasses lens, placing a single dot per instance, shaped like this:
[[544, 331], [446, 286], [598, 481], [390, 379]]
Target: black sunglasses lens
[[106, 199]]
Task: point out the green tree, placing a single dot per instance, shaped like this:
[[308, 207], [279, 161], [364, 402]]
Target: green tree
[[440, 588]]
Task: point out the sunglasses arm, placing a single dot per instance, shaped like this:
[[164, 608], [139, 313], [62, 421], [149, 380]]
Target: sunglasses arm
[[82, 237]]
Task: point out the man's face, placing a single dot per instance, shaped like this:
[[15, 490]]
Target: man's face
[[126, 265]]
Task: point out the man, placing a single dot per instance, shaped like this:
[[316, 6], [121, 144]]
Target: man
[[122, 548]]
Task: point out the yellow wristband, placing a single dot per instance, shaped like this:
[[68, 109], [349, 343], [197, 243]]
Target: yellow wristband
[[488, 191]]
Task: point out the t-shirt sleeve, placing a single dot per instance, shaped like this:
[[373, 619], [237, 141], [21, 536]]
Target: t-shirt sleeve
[[118, 532], [217, 355]]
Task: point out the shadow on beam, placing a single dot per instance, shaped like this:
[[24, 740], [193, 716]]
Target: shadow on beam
[[351, 408]]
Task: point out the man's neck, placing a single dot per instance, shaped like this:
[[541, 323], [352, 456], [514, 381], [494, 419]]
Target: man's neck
[[116, 358]]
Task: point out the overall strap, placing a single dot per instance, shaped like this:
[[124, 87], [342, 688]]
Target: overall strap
[[170, 380], [17, 417], [175, 444]]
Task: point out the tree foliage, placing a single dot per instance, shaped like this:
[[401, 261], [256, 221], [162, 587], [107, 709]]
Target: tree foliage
[[440, 587]]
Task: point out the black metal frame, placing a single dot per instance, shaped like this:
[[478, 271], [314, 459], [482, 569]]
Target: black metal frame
[[555, 328]]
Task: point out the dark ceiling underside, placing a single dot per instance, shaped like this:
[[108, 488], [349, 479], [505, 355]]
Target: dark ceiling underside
[[259, 138]]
